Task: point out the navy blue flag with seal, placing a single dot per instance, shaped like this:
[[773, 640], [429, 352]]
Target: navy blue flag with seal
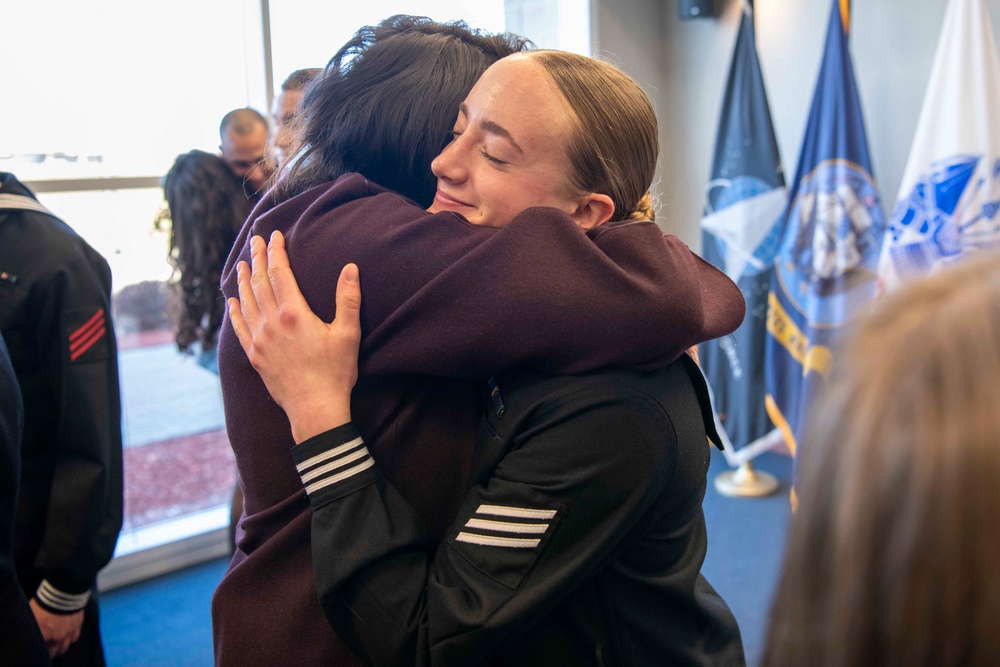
[[744, 203], [825, 268]]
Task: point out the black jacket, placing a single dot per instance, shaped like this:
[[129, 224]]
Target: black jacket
[[55, 315], [20, 641], [580, 543]]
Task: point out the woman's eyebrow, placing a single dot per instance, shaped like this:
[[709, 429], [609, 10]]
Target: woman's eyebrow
[[492, 128]]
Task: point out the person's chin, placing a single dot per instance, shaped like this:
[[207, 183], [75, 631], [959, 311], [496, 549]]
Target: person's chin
[[468, 212]]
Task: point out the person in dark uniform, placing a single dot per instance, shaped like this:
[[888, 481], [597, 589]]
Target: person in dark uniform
[[55, 303], [20, 642], [581, 537]]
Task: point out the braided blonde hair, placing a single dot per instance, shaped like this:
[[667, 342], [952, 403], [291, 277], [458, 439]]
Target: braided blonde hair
[[644, 209]]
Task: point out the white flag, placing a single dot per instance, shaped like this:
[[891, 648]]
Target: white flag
[[949, 200]]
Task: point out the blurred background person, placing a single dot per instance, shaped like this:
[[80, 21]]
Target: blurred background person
[[285, 139], [243, 135], [893, 554], [55, 317], [208, 198], [206, 207], [20, 642]]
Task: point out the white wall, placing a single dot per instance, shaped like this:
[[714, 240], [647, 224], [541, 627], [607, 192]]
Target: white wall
[[683, 64]]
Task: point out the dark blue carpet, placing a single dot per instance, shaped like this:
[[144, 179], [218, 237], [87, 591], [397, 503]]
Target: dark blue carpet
[[745, 545], [165, 622]]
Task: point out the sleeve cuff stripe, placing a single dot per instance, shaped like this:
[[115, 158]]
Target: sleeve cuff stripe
[[52, 597], [515, 512], [333, 465], [508, 526], [333, 453], [339, 477], [491, 541]]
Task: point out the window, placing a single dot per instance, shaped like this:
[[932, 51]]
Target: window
[[102, 95]]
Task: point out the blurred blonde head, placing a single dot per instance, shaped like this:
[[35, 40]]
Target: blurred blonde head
[[894, 553]]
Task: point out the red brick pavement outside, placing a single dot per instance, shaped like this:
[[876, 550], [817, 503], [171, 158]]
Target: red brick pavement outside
[[171, 478]]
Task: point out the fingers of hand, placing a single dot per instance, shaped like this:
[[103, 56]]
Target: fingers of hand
[[260, 279], [346, 326], [348, 321], [248, 301], [56, 649], [286, 288], [239, 324], [349, 296]]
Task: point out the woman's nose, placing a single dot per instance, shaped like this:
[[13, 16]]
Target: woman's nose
[[448, 164]]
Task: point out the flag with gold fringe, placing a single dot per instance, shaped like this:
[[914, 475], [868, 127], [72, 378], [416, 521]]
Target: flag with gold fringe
[[824, 271]]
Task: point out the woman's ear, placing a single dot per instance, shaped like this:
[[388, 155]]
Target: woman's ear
[[593, 210]]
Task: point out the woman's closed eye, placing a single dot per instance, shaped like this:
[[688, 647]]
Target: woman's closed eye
[[493, 160]]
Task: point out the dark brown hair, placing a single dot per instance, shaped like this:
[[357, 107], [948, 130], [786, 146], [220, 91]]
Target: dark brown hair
[[615, 147], [893, 555], [206, 207], [386, 102]]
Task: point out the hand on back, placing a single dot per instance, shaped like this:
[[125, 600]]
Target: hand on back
[[308, 366]]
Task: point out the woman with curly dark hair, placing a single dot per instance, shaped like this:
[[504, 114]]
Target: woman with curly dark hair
[[206, 209]]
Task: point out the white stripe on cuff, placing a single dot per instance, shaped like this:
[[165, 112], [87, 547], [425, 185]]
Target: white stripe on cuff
[[333, 479], [56, 599], [333, 465], [336, 451]]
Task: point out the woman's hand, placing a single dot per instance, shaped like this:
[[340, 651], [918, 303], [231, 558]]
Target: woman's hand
[[308, 366]]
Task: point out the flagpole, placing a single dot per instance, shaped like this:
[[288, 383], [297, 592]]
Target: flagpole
[[746, 482]]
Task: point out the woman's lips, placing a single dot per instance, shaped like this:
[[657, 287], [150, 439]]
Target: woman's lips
[[447, 201]]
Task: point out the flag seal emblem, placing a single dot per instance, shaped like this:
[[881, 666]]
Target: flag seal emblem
[[947, 213], [826, 267]]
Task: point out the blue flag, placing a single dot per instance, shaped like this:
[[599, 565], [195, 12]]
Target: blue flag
[[744, 203], [825, 268]]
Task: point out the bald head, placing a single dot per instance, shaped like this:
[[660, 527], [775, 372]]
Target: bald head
[[243, 136]]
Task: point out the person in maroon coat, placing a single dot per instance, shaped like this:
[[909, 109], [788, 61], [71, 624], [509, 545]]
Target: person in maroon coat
[[443, 293]]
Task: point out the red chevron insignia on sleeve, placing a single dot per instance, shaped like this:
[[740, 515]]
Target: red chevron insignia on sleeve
[[87, 335]]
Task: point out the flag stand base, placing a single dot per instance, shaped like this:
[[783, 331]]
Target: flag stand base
[[745, 482]]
